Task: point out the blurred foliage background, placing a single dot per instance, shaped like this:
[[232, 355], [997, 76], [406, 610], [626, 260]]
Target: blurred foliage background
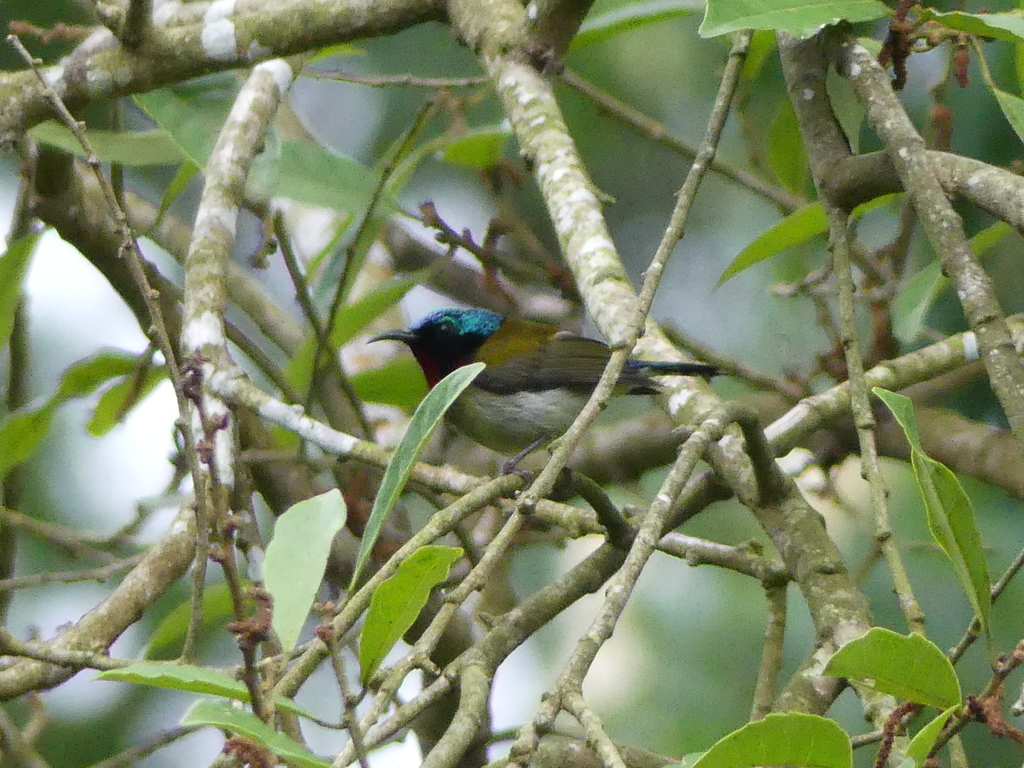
[[680, 670]]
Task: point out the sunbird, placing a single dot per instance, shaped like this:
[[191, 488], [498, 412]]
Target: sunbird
[[537, 378]]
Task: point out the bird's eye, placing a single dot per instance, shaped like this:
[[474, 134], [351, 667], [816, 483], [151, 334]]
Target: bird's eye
[[446, 328]]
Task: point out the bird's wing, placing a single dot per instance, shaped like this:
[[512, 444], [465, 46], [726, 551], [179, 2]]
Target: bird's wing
[[534, 362]]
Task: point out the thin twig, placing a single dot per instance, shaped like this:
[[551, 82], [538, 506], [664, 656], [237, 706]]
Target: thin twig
[[864, 421], [102, 573], [380, 81]]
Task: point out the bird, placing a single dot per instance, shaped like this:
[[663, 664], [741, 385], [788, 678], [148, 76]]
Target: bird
[[537, 378]]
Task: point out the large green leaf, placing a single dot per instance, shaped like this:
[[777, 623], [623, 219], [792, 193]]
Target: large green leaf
[[796, 17], [194, 129], [125, 147], [398, 601], [224, 716], [630, 17], [186, 677], [297, 558], [908, 667], [424, 421], [792, 738], [949, 511], [14, 266]]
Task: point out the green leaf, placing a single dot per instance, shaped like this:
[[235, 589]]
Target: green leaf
[[1013, 108], [908, 667], [792, 738], [14, 266], [925, 739], [949, 510], [795, 229], [178, 184], [346, 50], [312, 174], [22, 432], [297, 557], [924, 286], [185, 677], [399, 383], [796, 17], [136, 148], [398, 601], [1002, 26], [113, 405], [350, 321], [762, 45], [194, 130], [786, 155], [169, 635], [224, 716], [424, 421], [630, 17], [480, 149]]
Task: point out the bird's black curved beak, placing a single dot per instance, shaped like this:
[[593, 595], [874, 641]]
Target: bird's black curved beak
[[399, 334]]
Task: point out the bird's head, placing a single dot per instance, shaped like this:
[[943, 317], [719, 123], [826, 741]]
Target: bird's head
[[446, 339]]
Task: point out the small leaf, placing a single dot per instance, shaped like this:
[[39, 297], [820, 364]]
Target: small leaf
[[424, 421], [1013, 108], [480, 149], [169, 635], [1002, 26], [796, 17], [398, 601], [14, 266], [178, 184], [228, 718], [350, 321], [192, 129], [186, 677], [22, 432], [630, 17], [786, 155], [312, 174], [113, 405], [791, 738], [137, 148], [925, 739], [297, 557], [796, 228], [923, 287], [762, 45], [908, 667], [949, 511], [399, 383]]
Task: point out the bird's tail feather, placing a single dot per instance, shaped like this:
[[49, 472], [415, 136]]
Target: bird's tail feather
[[675, 369]]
